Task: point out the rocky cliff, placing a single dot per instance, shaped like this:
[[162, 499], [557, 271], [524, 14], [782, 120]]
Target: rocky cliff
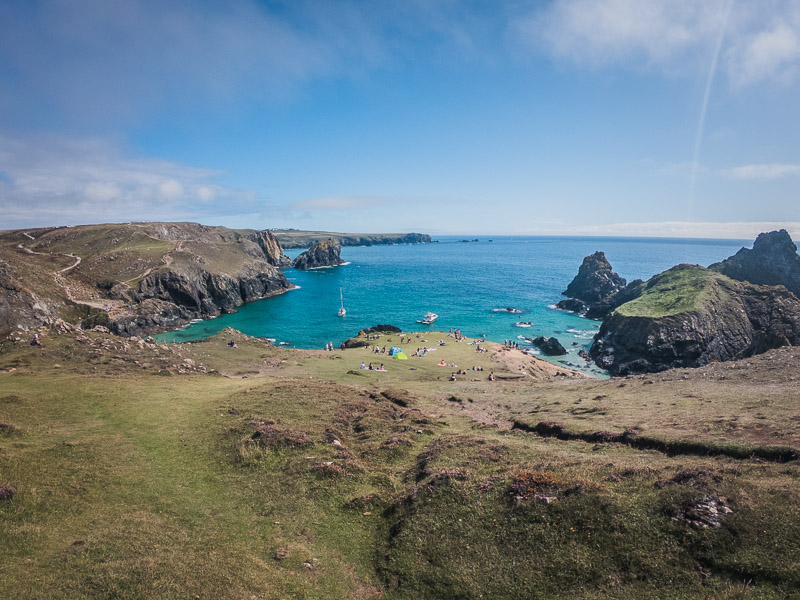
[[594, 283], [322, 254], [772, 261], [134, 278], [689, 316]]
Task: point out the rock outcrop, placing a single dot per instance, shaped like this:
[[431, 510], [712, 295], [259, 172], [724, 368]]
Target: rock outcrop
[[772, 261], [594, 283], [322, 254], [689, 316], [550, 346]]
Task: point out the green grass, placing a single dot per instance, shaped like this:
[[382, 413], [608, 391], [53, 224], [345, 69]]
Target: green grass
[[133, 485], [678, 290]]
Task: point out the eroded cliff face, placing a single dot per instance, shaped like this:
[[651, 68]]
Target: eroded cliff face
[[20, 308], [689, 316], [135, 278], [321, 254]]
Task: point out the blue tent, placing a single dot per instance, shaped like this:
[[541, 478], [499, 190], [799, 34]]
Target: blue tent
[[394, 350]]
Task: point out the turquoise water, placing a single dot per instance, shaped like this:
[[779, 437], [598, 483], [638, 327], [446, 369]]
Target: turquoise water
[[461, 282]]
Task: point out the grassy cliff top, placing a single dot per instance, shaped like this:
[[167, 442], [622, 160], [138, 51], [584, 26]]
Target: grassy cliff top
[[681, 289], [203, 470]]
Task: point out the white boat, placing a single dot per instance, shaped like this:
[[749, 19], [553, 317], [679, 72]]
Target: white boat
[[342, 312], [508, 309], [523, 324], [429, 318]]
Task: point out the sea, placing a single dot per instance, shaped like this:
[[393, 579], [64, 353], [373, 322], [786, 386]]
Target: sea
[[463, 281]]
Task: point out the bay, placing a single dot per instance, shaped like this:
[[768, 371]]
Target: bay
[[460, 281]]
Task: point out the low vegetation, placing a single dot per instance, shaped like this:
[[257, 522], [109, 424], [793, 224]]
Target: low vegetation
[[137, 470]]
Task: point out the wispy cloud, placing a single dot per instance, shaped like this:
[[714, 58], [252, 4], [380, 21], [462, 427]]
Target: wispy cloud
[[761, 41], [672, 229], [774, 171], [58, 180]]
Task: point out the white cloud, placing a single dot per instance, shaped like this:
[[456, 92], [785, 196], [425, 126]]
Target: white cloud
[[763, 171], [51, 180], [764, 55], [761, 41], [643, 31]]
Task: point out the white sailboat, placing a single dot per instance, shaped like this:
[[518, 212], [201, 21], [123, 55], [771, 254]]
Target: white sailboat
[[342, 312]]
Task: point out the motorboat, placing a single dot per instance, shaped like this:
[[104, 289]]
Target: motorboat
[[508, 309], [523, 324], [342, 312], [428, 319]]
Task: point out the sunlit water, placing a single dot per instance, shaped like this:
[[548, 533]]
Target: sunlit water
[[461, 282]]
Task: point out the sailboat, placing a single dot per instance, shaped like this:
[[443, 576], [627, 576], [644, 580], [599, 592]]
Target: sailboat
[[342, 312]]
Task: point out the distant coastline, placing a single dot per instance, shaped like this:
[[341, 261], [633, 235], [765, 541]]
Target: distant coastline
[[293, 238]]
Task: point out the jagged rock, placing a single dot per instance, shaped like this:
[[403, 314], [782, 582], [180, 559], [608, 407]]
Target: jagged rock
[[595, 280], [689, 316], [322, 254], [573, 305], [772, 261], [549, 346]]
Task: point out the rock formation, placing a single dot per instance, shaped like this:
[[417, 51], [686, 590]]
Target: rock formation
[[594, 282], [322, 254], [772, 261], [550, 346], [689, 316]]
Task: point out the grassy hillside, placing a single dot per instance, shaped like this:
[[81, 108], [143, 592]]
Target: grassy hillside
[[678, 290], [144, 470]]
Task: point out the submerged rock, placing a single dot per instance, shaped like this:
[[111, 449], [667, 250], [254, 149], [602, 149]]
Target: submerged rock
[[322, 254], [549, 346]]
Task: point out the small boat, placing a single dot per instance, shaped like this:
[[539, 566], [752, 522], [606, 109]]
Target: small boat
[[507, 309], [428, 319], [523, 324], [342, 312]]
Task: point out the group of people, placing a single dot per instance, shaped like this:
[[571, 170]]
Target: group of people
[[511, 344], [372, 368]]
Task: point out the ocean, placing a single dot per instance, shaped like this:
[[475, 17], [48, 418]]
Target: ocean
[[460, 281]]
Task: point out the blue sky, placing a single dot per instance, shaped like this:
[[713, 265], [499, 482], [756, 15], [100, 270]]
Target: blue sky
[[614, 117]]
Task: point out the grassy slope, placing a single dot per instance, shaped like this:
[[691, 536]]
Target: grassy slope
[[132, 484], [678, 290]]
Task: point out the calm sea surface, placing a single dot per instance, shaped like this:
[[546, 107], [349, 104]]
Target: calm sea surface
[[461, 282]]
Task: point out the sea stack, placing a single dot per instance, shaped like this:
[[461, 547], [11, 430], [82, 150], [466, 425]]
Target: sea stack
[[322, 254], [594, 283]]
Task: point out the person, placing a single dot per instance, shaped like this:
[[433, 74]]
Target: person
[[491, 376], [36, 341], [452, 376], [381, 368], [442, 363], [371, 368], [363, 366], [232, 344]]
